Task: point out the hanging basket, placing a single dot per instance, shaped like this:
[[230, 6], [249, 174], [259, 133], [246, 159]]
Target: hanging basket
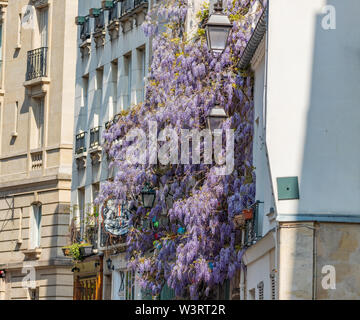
[[248, 214]]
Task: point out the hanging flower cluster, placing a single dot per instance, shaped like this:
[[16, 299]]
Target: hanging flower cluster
[[187, 240]]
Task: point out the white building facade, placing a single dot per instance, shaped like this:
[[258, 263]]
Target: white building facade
[[307, 161]]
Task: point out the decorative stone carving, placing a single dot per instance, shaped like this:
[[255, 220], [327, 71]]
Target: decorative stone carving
[[96, 155], [38, 4], [2, 11], [81, 160], [99, 37], [32, 254], [85, 48], [113, 29]]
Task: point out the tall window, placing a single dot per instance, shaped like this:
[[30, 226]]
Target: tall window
[[141, 72], [81, 201], [85, 89], [36, 226], [128, 74], [114, 83], [38, 132], [43, 27]]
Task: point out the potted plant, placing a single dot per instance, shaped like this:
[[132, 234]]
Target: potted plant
[[66, 251], [248, 214], [86, 249], [239, 221]]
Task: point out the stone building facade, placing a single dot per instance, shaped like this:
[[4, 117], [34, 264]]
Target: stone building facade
[[112, 63], [38, 59]]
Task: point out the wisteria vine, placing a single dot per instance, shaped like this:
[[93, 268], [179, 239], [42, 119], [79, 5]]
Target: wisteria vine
[[188, 239]]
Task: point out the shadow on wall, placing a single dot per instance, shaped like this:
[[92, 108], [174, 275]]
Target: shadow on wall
[[330, 176]]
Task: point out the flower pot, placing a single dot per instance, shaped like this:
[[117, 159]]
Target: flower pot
[[66, 251], [86, 250], [239, 221], [248, 214]]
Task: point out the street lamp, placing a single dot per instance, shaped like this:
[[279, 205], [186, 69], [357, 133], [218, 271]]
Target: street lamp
[[217, 29], [109, 264], [216, 117], [148, 196]]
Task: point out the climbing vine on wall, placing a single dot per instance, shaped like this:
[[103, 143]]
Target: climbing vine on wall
[[189, 241]]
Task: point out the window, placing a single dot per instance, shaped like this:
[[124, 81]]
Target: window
[[38, 124], [81, 201], [100, 21], [85, 29], [114, 83], [128, 75], [80, 143], [94, 137], [43, 27], [260, 287], [34, 293], [85, 89], [95, 193], [35, 236], [141, 72]]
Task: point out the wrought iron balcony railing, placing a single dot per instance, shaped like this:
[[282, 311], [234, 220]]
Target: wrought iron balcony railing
[[94, 137], [36, 63], [252, 226], [80, 143]]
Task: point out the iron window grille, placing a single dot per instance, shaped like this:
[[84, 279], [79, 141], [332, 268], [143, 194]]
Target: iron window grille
[[94, 137], [85, 30], [80, 143], [36, 63]]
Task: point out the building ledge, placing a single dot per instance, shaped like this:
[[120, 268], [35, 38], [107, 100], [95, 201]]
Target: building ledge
[[37, 87], [36, 82], [32, 254]]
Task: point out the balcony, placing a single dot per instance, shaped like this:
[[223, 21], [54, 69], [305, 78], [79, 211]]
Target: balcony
[[114, 24], [85, 36], [95, 150], [36, 63], [252, 230], [131, 10], [99, 28], [36, 79]]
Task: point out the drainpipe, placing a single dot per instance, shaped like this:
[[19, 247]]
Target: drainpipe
[[314, 264]]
